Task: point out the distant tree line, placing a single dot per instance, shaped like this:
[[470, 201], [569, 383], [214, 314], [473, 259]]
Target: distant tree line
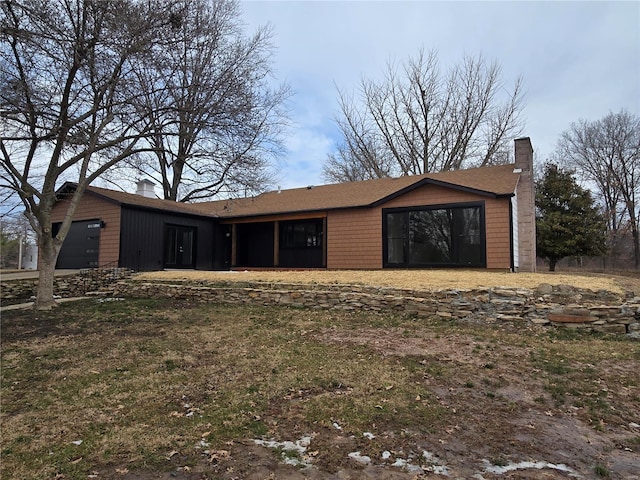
[[605, 156]]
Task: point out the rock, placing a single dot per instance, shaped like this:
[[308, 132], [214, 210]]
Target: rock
[[564, 318], [611, 328], [544, 289], [503, 292], [539, 321]]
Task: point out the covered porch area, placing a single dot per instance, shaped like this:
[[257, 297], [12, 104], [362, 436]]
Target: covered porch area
[[291, 241]]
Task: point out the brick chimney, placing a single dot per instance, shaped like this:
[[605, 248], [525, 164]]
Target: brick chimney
[[146, 188], [525, 201]]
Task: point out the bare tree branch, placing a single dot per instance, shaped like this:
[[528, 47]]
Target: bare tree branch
[[418, 120], [215, 119]]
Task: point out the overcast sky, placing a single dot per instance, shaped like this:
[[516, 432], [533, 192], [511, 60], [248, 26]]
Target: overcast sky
[[579, 60]]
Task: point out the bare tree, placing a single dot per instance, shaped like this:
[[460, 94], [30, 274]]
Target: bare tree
[[215, 119], [417, 120], [360, 145], [66, 95], [607, 153]]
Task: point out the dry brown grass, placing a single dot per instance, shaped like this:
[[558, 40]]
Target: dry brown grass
[[150, 386], [414, 279]]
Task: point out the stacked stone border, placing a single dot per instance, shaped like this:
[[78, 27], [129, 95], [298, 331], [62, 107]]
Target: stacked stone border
[[558, 305], [77, 285], [561, 305]]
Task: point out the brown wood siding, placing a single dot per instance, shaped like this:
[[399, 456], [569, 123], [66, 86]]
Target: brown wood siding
[[354, 236], [92, 207], [498, 230]]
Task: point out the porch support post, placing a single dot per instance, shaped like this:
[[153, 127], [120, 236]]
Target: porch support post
[[276, 243]]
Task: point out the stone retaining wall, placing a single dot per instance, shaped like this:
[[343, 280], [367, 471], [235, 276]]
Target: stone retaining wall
[[17, 291], [561, 305]]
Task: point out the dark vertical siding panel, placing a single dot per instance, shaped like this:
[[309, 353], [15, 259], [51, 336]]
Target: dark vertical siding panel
[[222, 247], [142, 238]]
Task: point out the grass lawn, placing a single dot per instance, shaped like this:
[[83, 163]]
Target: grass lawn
[[151, 389]]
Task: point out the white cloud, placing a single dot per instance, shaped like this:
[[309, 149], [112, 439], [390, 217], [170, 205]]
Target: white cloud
[[578, 59], [307, 149]]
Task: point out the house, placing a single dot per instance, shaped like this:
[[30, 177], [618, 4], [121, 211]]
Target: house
[[476, 218]]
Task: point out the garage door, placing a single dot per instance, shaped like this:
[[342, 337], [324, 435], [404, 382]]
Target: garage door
[[81, 248]]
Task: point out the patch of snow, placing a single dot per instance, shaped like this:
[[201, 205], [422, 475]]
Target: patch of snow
[[360, 458], [439, 470], [336, 426], [299, 446], [407, 465], [436, 464], [497, 469], [368, 435]]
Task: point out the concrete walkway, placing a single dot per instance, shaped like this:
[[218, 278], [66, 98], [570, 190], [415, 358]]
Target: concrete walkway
[[21, 306], [26, 274], [8, 275]]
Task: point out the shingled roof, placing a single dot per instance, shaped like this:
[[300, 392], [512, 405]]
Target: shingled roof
[[135, 200], [489, 181], [494, 181]]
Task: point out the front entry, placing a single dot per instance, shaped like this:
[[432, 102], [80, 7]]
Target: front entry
[[179, 247]]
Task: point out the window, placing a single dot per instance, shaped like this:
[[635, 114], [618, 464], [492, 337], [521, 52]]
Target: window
[[451, 235], [307, 234], [396, 231]]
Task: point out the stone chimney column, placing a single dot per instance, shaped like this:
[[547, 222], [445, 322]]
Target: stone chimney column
[[526, 215]]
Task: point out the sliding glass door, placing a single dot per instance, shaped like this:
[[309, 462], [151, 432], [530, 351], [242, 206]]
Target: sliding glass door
[[432, 236]]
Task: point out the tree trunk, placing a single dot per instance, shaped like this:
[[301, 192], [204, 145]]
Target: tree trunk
[[552, 264], [47, 265]]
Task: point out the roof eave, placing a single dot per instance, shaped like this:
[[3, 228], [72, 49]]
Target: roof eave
[[72, 186], [166, 210]]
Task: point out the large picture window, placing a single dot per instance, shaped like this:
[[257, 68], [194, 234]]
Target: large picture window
[[446, 236]]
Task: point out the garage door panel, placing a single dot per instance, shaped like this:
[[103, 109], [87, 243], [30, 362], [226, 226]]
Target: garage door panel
[[81, 247]]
